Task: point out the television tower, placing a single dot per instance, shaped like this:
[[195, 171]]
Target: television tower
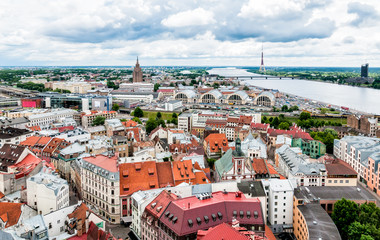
[[262, 67]]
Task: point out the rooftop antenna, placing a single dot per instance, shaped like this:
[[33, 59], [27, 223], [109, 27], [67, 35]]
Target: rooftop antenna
[[262, 67]]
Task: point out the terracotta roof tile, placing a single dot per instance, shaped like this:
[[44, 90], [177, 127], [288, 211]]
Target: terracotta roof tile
[[216, 141], [165, 174], [10, 213], [158, 205], [221, 232], [260, 166], [105, 162], [138, 177]]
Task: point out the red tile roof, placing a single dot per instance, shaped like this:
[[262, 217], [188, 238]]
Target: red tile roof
[[157, 207], [165, 174], [191, 208], [221, 232], [129, 123], [260, 166], [216, 141], [137, 176], [133, 132], [10, 213], [105, 162], [182, 171], [25, 166], [339, 167], [295, 133], [260, 126]]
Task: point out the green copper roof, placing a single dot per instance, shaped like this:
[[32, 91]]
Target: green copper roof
[[224, 164]]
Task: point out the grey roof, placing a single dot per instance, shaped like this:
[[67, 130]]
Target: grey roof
[[118, 92], [50, 180], [201, 188], [319, 223], [224, 164], [298, 164], [242, 94], [52, 113], [73, 148], [334, 193], [253, 188], [215, 93], [14, 121], [188, 93], [267, 94], [251, 143]]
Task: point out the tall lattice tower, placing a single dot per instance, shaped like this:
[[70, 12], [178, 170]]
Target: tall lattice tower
[[262, 67]]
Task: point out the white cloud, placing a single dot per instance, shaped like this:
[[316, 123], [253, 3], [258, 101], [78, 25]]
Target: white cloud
[[213, 32], [196, 17]]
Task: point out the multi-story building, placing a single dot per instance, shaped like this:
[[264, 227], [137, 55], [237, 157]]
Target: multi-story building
[[152, 214], [363, 155], [50, 117], [364, 124], [72, 86], [12, 135], [184, 121], [279, 203], [89, 117], [215, 145], [312, 148], [340, 173], [100, 185], [65, 157], [296, 166], [47, 192], [184, 217]]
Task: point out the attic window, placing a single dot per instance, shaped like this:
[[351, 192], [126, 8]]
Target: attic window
[[206, 219], [152, 184], [220, 215], [158, 209], [126, 187], [199, 221], [171, 216], [125, 173], [248, 214], [150, 171], [241, 213], [153, 204], [234, 214], [213, 216], [255, 214], [138, 167], [175, 220], [190, 222], [167, 213]]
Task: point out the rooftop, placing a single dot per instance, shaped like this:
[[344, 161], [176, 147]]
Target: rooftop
[[319, 223], [50, 180], [10, 132], [108, 163]]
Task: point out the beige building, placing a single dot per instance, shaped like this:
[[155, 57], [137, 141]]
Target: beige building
[[72, 86], [90, 116], [100, 186]]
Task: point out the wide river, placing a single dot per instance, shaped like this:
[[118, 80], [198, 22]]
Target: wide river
[[361, 99]]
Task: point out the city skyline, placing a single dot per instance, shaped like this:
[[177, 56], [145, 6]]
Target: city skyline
[[189, 33]]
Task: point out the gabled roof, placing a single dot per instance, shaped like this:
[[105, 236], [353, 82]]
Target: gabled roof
[[217, 141], [259, 166], [158, 205], [130, 123], [10, 212]]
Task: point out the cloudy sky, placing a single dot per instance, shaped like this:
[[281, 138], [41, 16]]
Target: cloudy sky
[[181, 32]]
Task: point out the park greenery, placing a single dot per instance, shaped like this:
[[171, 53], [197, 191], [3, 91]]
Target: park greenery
[[356, 222], [327, 137], [152, 123], [115, 107]]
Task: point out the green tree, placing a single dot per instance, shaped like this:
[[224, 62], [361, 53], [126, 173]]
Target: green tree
[[156, 87], [99, 120], [284, 108], [174, 121], [138, 112], [150, 125], [283, 125], [356, 230], [161, 123], [211, 162], [159, 115], [366, 237], [174, 115], [304, 116], [345, 212], [323, 110], [275, 122], [246, 88], [115, 107], [123, 120], [136, 119]]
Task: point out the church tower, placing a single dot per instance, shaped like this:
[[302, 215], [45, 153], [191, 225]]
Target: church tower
[[137, 72]]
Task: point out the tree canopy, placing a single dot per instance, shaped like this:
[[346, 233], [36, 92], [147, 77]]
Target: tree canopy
[[99, 120], [138, 112], [115, 107]]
